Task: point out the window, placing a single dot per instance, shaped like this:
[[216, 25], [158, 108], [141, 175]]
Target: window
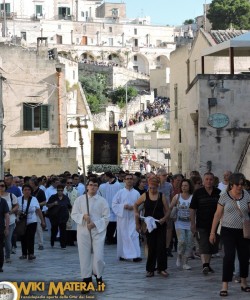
[[82, 14], [176, 101], [63, 12], [110, 57], [74, 75], [135, 57], [179, 135], [59, 26], [35, 117], [135, 30], [39, 10], [23, 35], [110, 41], [7, 8], [110, 29], [180, 162]]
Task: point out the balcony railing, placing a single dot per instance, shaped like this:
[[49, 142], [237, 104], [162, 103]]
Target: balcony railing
[[9, 16]]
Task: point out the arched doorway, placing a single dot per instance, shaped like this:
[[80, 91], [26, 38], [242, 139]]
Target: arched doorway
[[111, 120]]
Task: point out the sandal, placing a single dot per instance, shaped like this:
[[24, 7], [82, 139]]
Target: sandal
[[23, 257], [223, 293], [245, 289], [150, 274], [164, 273]]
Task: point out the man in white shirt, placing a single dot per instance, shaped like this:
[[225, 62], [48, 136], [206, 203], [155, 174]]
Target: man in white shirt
[[91, 232], [127, 237], [108, 190], [224, 184]]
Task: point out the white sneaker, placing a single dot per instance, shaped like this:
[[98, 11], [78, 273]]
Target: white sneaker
[[178, 261], [186, 267]]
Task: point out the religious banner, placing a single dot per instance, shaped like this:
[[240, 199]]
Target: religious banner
[[105, 147]]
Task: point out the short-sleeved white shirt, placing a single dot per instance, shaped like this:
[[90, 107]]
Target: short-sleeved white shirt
[[10, 203], [34, 205]]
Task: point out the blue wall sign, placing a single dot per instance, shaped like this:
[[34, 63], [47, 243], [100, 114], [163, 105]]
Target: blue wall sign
[[218, 120]]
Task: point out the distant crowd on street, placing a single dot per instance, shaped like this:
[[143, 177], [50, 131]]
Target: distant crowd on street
[[161, 105], [196, 216]]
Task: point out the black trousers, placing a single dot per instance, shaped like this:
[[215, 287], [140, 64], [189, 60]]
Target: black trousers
[[233, 241], [2, 237], [110, 238], [28, 239], [156, 241], [54, 230]]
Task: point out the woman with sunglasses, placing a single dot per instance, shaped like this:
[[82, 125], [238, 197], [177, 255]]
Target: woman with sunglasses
[[58, 212], [29, 204], [13, 207], [232, 208]]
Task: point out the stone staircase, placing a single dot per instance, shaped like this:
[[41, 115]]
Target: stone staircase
[[132, 167]]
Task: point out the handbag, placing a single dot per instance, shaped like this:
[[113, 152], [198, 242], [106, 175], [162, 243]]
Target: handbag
[[246, 223], [174, 211], [21, 223]]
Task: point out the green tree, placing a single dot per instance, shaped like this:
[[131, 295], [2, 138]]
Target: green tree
[[95, 88], [189, 21], [118, 96], [225, 14]]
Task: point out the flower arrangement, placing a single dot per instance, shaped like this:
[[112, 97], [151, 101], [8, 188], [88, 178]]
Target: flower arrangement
[[104, 168]]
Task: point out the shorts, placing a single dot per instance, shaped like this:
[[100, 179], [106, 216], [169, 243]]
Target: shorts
[[205, 247]]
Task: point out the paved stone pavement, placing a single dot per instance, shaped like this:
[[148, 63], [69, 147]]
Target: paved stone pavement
[[124, 280]]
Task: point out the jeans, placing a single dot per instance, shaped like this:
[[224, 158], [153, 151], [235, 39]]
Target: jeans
[[184, 241], [8, 241]]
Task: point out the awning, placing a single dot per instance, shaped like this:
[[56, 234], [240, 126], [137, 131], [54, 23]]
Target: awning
[[236, 47]]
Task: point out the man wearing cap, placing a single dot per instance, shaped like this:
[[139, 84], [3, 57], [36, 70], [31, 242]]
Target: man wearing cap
[[108, 190]]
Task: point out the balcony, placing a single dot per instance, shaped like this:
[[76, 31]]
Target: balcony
[[9, 15]]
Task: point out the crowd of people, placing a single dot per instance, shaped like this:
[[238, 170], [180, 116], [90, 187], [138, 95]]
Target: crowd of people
[[161, 105], [100, 63], [195, 216]]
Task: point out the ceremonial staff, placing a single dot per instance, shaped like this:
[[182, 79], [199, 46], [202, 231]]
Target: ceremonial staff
[[79, 126]]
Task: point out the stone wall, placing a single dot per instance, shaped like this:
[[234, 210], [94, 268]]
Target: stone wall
[[46, 161], [116, 76]]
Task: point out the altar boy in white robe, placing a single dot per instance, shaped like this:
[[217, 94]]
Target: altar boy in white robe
[[95, 223], [127, 237]]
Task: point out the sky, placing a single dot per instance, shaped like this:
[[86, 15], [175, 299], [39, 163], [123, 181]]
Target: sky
[[164, 12]]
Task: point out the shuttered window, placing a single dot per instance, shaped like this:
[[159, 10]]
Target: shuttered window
[[35, 117]]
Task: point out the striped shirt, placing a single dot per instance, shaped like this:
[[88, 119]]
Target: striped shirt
[[231, 215]]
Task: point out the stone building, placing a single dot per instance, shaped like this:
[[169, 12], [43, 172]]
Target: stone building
[[93, 31], [39, 96], [210, 103]]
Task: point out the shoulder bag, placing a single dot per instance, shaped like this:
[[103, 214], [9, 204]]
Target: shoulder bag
[[21, 223], [246, 222]]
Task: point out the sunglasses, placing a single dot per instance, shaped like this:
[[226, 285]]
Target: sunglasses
[[2, 185], [60, 190], [69, 182], [241, 184], [95, 185]]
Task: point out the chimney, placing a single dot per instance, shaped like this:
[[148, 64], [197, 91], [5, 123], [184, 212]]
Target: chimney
[[42, 47]]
